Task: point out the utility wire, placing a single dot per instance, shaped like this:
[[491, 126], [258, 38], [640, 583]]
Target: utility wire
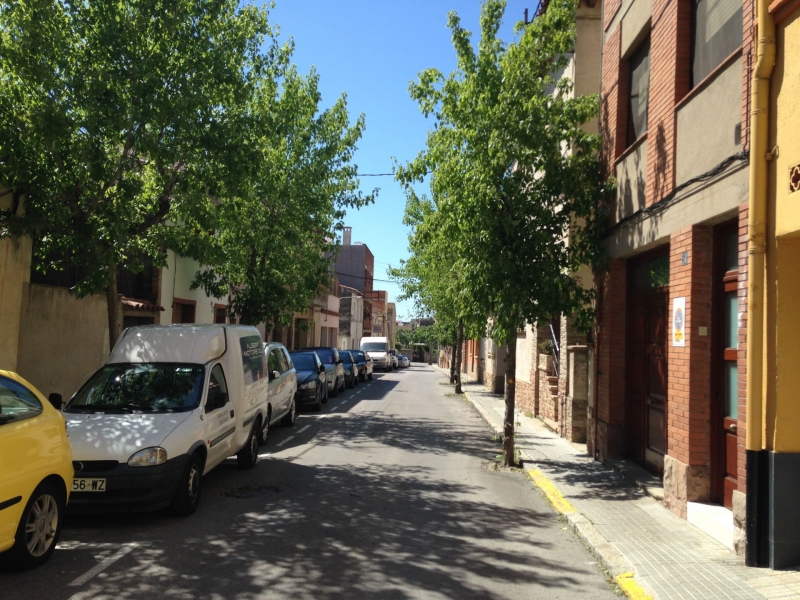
[[364, 278], [673, 198]]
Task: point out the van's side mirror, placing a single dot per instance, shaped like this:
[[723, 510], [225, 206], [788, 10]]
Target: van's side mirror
[[321, 369], [274, 375], [340, 362], [56, 400]]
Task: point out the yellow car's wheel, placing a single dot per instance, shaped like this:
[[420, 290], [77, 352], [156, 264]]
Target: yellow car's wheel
[[39, 527]]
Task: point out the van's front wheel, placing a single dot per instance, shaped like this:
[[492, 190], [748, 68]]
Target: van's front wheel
[[248, 455], [187, 496]]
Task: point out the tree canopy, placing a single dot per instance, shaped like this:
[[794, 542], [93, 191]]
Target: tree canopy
[[127, 128], [517, 191]]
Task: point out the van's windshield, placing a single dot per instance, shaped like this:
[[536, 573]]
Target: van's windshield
[[374, 347], [128, 388]]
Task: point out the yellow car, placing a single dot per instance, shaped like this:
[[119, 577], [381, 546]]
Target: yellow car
[[35, 472]]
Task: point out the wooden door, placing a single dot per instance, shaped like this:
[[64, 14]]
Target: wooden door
[[655, 412], [646, 394], [725, 411]]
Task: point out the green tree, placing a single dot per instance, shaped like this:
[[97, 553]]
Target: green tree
[[274, 236], [516, 182], [117, 120]]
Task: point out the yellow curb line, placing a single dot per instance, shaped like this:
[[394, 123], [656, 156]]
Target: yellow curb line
[[558, 501], [625, 581], [632, 590]]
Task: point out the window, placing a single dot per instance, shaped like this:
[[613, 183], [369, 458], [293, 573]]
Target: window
[[183, 311], [274, 363], [651, 274], [639, 92], [282, 361], [140, 387], [17, 402], [217, 387], [220, 313], [716, 34], [287, 358]]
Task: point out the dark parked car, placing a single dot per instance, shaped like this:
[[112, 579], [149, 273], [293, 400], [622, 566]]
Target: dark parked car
[[350, 368], [334, 371], [312, 384], [364, 364]]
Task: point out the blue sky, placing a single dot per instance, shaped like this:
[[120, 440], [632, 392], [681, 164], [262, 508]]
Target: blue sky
[[372, 49]]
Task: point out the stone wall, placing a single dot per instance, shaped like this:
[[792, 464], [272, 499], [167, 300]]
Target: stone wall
[[575, 402], [63, 339], [548, 402]]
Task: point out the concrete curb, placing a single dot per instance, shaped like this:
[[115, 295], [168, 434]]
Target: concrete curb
[[613, 562]]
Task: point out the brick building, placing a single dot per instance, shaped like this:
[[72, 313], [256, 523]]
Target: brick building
[[355, 266], [670, 371]]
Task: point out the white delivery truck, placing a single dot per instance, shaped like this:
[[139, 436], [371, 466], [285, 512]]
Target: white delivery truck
[[377, 348], [171, 403]]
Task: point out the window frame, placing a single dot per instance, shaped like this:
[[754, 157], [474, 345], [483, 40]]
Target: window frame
[[694, 80], [208, 387], [631, 136]]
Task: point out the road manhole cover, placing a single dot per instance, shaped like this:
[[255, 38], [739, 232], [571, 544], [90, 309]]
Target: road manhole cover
[[250, 491]]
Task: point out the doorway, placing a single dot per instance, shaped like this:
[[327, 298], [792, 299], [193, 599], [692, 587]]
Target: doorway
[[646, 380], [725, 348]]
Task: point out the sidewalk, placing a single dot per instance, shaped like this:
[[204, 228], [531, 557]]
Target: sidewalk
[[629, 531]]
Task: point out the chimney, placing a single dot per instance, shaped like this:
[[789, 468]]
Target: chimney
[[348, 232]]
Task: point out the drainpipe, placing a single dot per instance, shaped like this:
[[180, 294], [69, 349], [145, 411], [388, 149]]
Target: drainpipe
[[756, 249]]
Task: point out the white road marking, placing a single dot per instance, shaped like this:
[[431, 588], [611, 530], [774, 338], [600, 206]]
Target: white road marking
[[303, 429], [73, 545], [288, 439], [264, 455], [104, 564]]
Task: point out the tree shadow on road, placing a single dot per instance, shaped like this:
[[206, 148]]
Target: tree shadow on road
[[336, 532]]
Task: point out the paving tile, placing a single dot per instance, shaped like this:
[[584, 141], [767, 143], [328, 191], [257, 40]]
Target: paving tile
[[670, 556]]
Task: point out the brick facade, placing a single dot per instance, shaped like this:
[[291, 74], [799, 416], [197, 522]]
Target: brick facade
[[670, 54], [742, 354], [689, 436], [613, 101], [610, 413]]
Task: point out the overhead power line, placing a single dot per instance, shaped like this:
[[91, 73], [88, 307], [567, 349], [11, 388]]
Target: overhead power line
[[364, 278]]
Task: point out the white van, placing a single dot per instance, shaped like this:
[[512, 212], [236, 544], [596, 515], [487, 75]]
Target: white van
[[171, 403], [377, 348]]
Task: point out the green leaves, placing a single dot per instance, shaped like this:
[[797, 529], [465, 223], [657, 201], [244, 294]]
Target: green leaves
[[132, 127], [515, 181], [274, 233], [114, 118]]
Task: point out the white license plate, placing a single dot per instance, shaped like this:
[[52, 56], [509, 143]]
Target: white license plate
[[88, 485]]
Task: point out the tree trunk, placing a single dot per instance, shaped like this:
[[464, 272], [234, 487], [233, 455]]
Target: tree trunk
[[508, 421], [459, 352], [453, 364], [290, 336], [112, 300]]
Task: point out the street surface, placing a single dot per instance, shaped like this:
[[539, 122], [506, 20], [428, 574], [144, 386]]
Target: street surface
[[385, 493]]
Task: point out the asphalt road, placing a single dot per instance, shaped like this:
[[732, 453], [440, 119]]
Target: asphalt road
[[385, 493]]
